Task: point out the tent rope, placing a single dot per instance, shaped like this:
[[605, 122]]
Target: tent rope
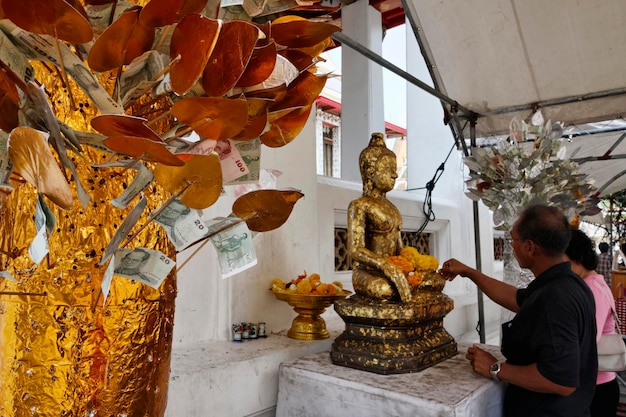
[[427, 206]]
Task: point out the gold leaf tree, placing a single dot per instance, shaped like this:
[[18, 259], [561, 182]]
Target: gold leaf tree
[[91, 93]]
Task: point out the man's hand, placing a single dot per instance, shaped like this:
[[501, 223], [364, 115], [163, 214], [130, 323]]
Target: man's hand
[[451, 268], [481, 360]]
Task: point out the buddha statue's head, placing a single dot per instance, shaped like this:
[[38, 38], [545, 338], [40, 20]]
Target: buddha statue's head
[[370, 161]]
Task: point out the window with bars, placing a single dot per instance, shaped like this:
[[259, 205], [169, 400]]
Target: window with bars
[[342, 257], [328, 156], [498, 248]]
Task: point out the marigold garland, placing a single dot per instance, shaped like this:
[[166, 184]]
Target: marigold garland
[[413, 264], [403, 263], [415, 278]]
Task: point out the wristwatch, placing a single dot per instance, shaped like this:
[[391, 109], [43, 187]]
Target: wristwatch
[[494, 370]]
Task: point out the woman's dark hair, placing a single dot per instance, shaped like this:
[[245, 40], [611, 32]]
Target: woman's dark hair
[[581, 250], [546, 226]]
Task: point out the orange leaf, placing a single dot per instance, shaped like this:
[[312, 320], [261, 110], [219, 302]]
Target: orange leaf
[[318, 48], [273, 93], [266, 210], [259, 67], [275, 115], [286, 129], [302, 91], [8, 87], [123, 125], [212, 117], [9, 118], [194, 39], [141, 148], [301, 33], [257, 120], [56, 18], [121, 42], [299, 59], [202, 174], [166, 12], [33, 160], [230, 57], [99, 2]]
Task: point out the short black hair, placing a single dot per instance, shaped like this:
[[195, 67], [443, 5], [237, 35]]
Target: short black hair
[[581, 250], [604, 247], [547, 226]]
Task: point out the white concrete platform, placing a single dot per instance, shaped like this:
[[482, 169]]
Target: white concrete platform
[[313, 386], [229, 379]]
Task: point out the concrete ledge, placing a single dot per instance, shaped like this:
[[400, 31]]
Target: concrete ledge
[[235, 379]]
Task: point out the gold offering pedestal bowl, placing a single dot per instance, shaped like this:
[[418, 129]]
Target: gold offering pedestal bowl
[[308, 325]]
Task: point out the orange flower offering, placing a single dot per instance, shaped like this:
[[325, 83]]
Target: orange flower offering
[[413, 264], [306, 285], [403, 263], [415, 278]]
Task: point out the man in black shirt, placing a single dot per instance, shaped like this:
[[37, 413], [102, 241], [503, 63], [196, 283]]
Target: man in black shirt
[[549, 346]]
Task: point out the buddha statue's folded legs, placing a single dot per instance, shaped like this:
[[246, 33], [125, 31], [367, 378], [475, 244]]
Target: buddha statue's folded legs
[[371, 285]]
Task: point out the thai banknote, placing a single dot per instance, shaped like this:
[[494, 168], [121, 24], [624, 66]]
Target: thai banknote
[[124, 229], [44, 224], [14, 58], [233, 241], [250, 153], [267, 181], [143, 178], [6, 167], [231, 161], [141, 76], [148, 266], [183, 225]]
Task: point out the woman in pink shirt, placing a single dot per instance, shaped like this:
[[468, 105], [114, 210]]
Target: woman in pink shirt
[[582, 255]]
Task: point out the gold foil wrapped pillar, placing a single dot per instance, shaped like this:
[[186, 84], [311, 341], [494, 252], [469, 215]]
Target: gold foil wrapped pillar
[[62, 353]]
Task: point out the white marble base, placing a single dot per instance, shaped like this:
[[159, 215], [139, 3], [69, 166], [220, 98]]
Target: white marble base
[[313, 386], [227, 379]]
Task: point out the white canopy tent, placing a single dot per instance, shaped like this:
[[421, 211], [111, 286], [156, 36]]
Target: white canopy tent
[[491, 60], [496, 59]]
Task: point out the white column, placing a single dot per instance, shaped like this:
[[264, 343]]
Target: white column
[[319, 141], [362, 108]]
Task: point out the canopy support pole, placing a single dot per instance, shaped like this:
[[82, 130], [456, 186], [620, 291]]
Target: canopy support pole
[[345, 40], [554, 102], [477, 245]]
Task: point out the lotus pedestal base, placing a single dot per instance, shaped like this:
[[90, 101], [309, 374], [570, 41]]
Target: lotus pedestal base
[[393, 338]]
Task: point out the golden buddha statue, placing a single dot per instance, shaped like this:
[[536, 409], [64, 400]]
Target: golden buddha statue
[[389, 327], [374, 225]]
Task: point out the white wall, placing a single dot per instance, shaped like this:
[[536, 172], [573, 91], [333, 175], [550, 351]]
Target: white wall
[[207, 305]]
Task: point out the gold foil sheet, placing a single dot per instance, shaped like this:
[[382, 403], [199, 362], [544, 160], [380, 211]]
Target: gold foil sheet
[[62, 353]]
